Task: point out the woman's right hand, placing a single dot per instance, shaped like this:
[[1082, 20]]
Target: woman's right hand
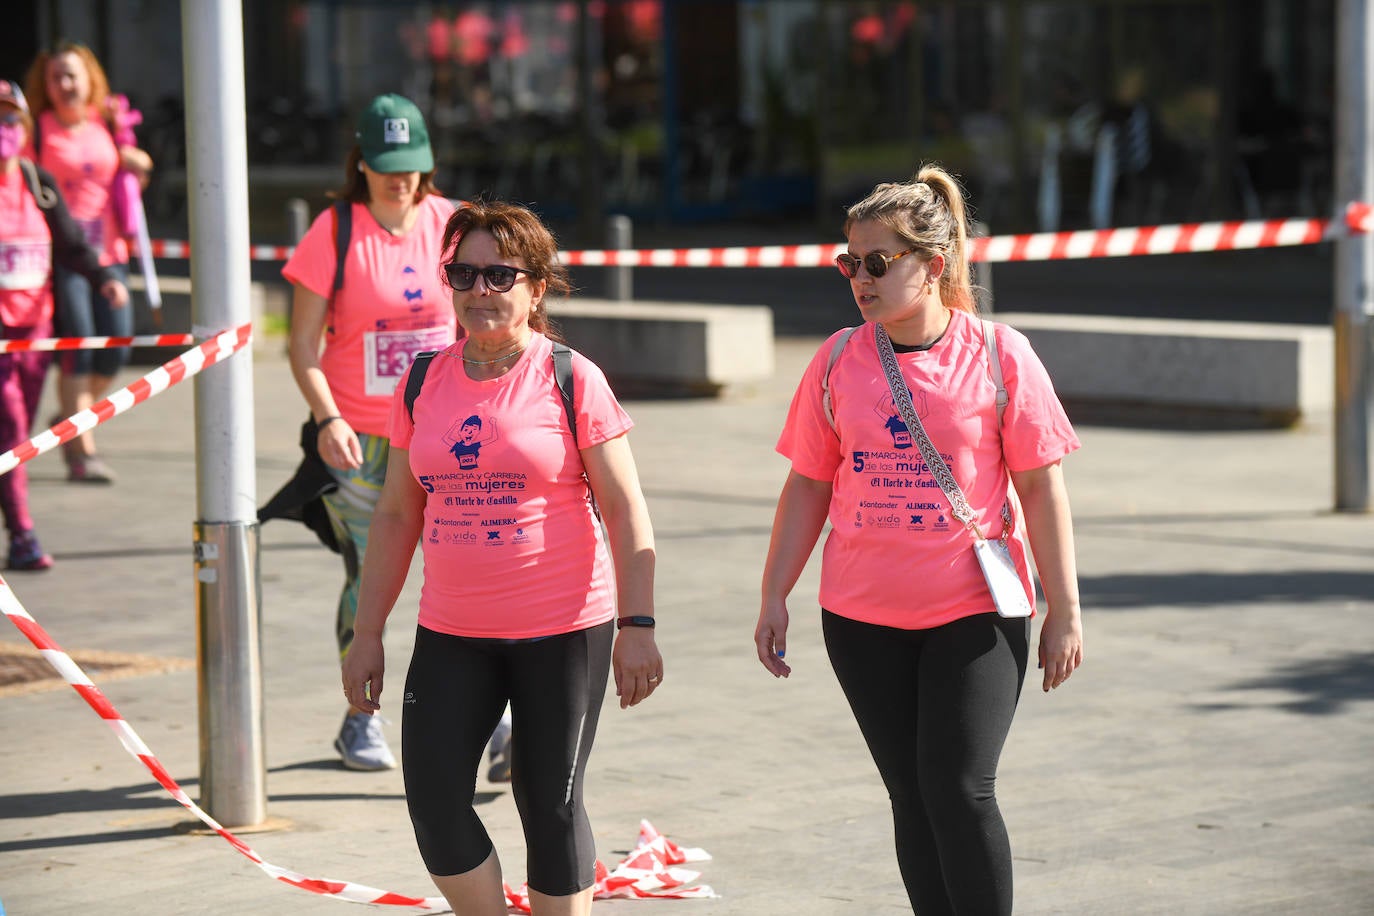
[[339, 447], [363, 668], [770, 637]]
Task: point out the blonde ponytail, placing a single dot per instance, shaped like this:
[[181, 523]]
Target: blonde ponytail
[[930, 214]]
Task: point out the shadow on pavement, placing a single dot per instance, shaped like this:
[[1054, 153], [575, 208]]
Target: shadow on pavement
[[1206, 589], [1321, 686]]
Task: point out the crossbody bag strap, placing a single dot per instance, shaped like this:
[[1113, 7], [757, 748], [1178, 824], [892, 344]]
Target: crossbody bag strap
[[995, 365], [901, 398]]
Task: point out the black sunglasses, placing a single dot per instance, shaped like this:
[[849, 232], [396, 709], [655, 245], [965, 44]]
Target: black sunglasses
[[498, 277], [874, 262]]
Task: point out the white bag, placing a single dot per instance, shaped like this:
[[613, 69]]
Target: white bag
[[1008, 594]]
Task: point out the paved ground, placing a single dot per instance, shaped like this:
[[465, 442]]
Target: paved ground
[[1212, 756]]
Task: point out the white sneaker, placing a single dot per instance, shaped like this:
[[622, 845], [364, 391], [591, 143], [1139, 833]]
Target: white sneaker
[[362, 745]]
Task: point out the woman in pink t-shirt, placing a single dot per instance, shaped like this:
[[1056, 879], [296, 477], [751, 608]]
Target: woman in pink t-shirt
[[74, 141], [356, 323], [932, 672], [36, 231], [520, 596]]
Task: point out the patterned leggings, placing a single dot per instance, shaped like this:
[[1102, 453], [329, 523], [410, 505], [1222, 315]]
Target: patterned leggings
[[350, 512]]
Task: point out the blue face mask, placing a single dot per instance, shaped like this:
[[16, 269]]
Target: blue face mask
[[11, 140]]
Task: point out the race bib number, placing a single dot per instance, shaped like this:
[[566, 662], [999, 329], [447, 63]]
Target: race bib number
[[387, 355], [25, 265]]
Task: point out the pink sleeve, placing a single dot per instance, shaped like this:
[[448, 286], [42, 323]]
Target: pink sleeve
[[312, 263], [400, 426], [600, 418], [807, 439], [1035, 429]]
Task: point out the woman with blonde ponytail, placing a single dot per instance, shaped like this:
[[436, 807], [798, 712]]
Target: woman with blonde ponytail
[[931, 668]]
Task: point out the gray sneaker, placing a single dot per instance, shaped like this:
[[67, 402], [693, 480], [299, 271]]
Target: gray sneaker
[[362, 745], [498, 752]]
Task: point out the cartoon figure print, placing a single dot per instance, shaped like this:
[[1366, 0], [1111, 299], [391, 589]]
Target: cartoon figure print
[[892, 420], [466, 438]]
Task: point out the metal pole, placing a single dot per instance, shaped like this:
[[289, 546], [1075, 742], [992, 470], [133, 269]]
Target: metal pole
[[297, 222], [232, 759], [620, 280], [1354, 286]]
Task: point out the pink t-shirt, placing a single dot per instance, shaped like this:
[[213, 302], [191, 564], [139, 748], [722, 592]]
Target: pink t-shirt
[[83, 160], [896, 556], [512, 549], [392, 305], [25, 256]]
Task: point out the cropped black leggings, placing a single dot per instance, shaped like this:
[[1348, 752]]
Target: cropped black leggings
[[456, 690], [935, 707]]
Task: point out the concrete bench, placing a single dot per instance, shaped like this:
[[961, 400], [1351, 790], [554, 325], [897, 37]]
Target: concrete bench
[[176, 313], [670, 348], [1265, 374]]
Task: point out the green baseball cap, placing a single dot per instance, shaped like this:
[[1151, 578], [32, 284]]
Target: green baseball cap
[[392, 136]]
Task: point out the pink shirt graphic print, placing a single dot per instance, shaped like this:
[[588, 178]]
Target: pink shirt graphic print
[[511, 546], [895, 555], [392, 305]]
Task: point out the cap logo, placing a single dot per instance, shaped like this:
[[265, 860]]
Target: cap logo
[[396, 130]]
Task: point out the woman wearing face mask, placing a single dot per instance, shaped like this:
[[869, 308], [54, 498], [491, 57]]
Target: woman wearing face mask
[[73, 139], [35, 230]]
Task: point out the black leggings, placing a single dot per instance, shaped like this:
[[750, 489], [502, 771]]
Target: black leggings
[[935, 707], [456, 690]]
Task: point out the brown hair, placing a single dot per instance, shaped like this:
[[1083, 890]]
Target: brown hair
[[354, 188], [36, 80], [929, 213], [519, 233]]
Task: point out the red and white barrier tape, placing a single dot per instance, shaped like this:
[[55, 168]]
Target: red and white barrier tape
[[1178, 238], [175, 370], [649, 871], [95, 343]]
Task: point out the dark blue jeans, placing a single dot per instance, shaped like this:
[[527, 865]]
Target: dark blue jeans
[[81, 311]]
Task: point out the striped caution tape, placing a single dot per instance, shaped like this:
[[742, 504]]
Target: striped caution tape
[[1177, 238], [175, 370], [650, 871], [95, 343]]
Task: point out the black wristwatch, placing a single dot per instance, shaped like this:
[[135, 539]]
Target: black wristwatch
[[638, 620]]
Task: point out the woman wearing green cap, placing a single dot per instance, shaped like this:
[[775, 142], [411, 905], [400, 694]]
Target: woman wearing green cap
[[368, 297]]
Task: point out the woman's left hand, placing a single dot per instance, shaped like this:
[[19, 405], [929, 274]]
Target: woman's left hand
[[116, 293], [1061, 646], [637, 665]]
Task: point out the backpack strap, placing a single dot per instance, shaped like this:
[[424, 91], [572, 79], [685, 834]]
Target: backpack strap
[[418, 367], [825, 379], [343, 231], [46, 198], [563, 375], [995, 364]]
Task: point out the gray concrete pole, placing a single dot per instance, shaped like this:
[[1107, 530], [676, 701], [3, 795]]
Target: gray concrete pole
[[233, 773], [619, 280], [1354, 286]]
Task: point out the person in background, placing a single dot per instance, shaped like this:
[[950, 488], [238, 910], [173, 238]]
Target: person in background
[[35, 230], [520, 599], [74, 141], [931, 671], [345, 343]]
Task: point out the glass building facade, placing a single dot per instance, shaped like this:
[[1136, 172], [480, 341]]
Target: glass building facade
[[1058, 114]]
